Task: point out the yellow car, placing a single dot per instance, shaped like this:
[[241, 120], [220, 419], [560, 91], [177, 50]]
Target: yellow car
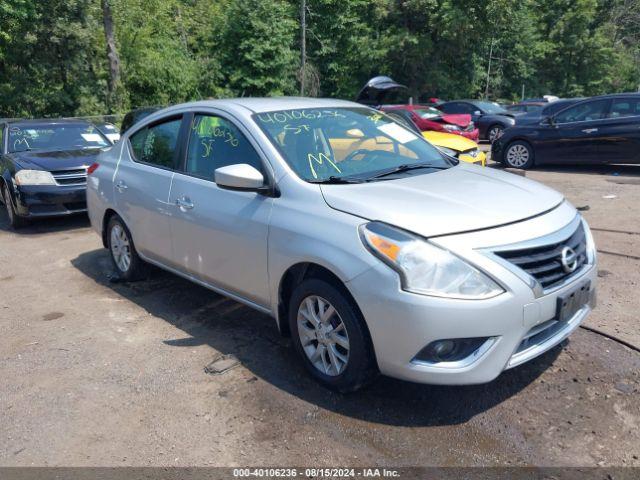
[[457, 146]]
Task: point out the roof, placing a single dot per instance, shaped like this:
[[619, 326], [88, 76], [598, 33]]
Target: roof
[[259, 105], [47, 121]]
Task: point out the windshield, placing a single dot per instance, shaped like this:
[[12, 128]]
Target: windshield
[[428, 112], [54, 137], [489, 107], [321, 144]]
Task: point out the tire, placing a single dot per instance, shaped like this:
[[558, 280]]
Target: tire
[[15, 220], [518, 154], [494, 132], [341, 345], [123, 252]]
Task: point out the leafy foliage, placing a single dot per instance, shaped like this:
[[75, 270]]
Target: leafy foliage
[[53, 54]]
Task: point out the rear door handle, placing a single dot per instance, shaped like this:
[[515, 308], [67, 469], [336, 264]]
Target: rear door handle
[[121, 186], [589, 130], [184, 203]]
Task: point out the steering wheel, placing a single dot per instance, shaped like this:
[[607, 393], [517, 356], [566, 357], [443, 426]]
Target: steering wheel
[[355, 153]]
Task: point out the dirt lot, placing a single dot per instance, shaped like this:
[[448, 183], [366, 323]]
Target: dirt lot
[[100, 373]]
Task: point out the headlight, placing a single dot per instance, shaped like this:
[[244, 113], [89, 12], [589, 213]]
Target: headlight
[[448, 151], [452, 128], [591, 245], [425, 268], [34, 177]]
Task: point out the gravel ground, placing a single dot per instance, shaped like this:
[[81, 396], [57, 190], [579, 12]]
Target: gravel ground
[[105, 374]]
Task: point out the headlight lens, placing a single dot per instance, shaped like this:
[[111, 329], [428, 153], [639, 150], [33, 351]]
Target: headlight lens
[[591, 245], [424, 268], [453, 128], [448, 151], [34, 177]]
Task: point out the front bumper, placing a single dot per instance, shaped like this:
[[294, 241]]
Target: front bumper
[[471, 134], [518, 324], [50, 201]]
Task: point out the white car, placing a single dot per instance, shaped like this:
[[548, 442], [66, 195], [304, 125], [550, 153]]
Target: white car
[[372, 249]]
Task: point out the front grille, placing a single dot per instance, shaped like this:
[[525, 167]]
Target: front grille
[[76, 176], [544, 263]]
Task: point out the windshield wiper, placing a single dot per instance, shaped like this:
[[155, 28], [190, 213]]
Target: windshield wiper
[[404, 168], [336, 180]]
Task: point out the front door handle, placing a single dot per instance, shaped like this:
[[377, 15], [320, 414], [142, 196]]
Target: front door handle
[[590, 130], [121, 186], [184, 203]]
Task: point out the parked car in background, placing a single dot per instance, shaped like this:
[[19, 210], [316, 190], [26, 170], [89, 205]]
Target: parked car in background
[[134, 116], [491, 119], [455, 146], [525, 107], [373, 250], [43, 167], [109, 130], [432, 119], [547, 110], [603, 129]]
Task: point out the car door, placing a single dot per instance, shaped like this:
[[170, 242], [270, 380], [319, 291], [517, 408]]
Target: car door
[[574, 134], [142, 184], [621, 131], [220, 235]]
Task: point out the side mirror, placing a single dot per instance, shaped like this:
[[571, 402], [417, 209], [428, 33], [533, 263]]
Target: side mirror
[[477, 112], [548, 121], [240, 176]]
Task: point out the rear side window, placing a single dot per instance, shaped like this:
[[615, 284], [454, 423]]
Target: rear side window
[[156, 145], [625, 107], [583, 112], [215, 142]]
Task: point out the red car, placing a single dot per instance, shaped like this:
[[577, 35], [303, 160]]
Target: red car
[[428, 118]]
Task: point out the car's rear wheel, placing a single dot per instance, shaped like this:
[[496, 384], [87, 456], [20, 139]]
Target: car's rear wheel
[[15, 220], [123, 252], [495, 132], [330, 336], [519, 155]]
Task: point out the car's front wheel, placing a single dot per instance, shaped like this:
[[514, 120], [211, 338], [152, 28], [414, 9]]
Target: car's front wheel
[[495, 132], [15, 220], [519, 155], [330, 336], [123, 252]]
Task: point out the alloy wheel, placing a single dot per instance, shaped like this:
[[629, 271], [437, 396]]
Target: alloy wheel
[[517, 155], [495, 133], [323, 335], [120, 248]]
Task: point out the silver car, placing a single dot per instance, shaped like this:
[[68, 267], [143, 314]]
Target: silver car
[[370, 248]]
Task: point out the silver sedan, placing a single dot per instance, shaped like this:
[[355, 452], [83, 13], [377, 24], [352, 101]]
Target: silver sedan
[[374, 251]]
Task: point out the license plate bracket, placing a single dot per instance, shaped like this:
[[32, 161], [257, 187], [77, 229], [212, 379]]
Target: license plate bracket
[[569, 303]]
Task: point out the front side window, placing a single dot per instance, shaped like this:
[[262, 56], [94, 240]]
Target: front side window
[[322, 144], [215, 142], [625, 107], [157, 144], [54, 137], [583, 112]]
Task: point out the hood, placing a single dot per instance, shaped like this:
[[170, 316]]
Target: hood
[[449, 140], [459, 119], [56, 160], [377, 89], [460, 199]]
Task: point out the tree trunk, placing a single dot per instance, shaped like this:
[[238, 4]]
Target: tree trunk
[[112, 54]]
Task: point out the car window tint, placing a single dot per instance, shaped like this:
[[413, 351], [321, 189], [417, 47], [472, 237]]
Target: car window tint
[[215, 142], [455, 107], [157, 144], [625, 107], [583, 112]]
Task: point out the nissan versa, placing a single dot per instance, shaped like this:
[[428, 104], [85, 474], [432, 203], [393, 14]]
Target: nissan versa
[[372, 249]]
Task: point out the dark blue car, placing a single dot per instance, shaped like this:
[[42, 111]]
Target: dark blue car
[[43, 166]]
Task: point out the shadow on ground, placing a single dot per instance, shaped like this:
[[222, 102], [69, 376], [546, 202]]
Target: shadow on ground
[[42, 226], [231, 328], [612, 171]]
